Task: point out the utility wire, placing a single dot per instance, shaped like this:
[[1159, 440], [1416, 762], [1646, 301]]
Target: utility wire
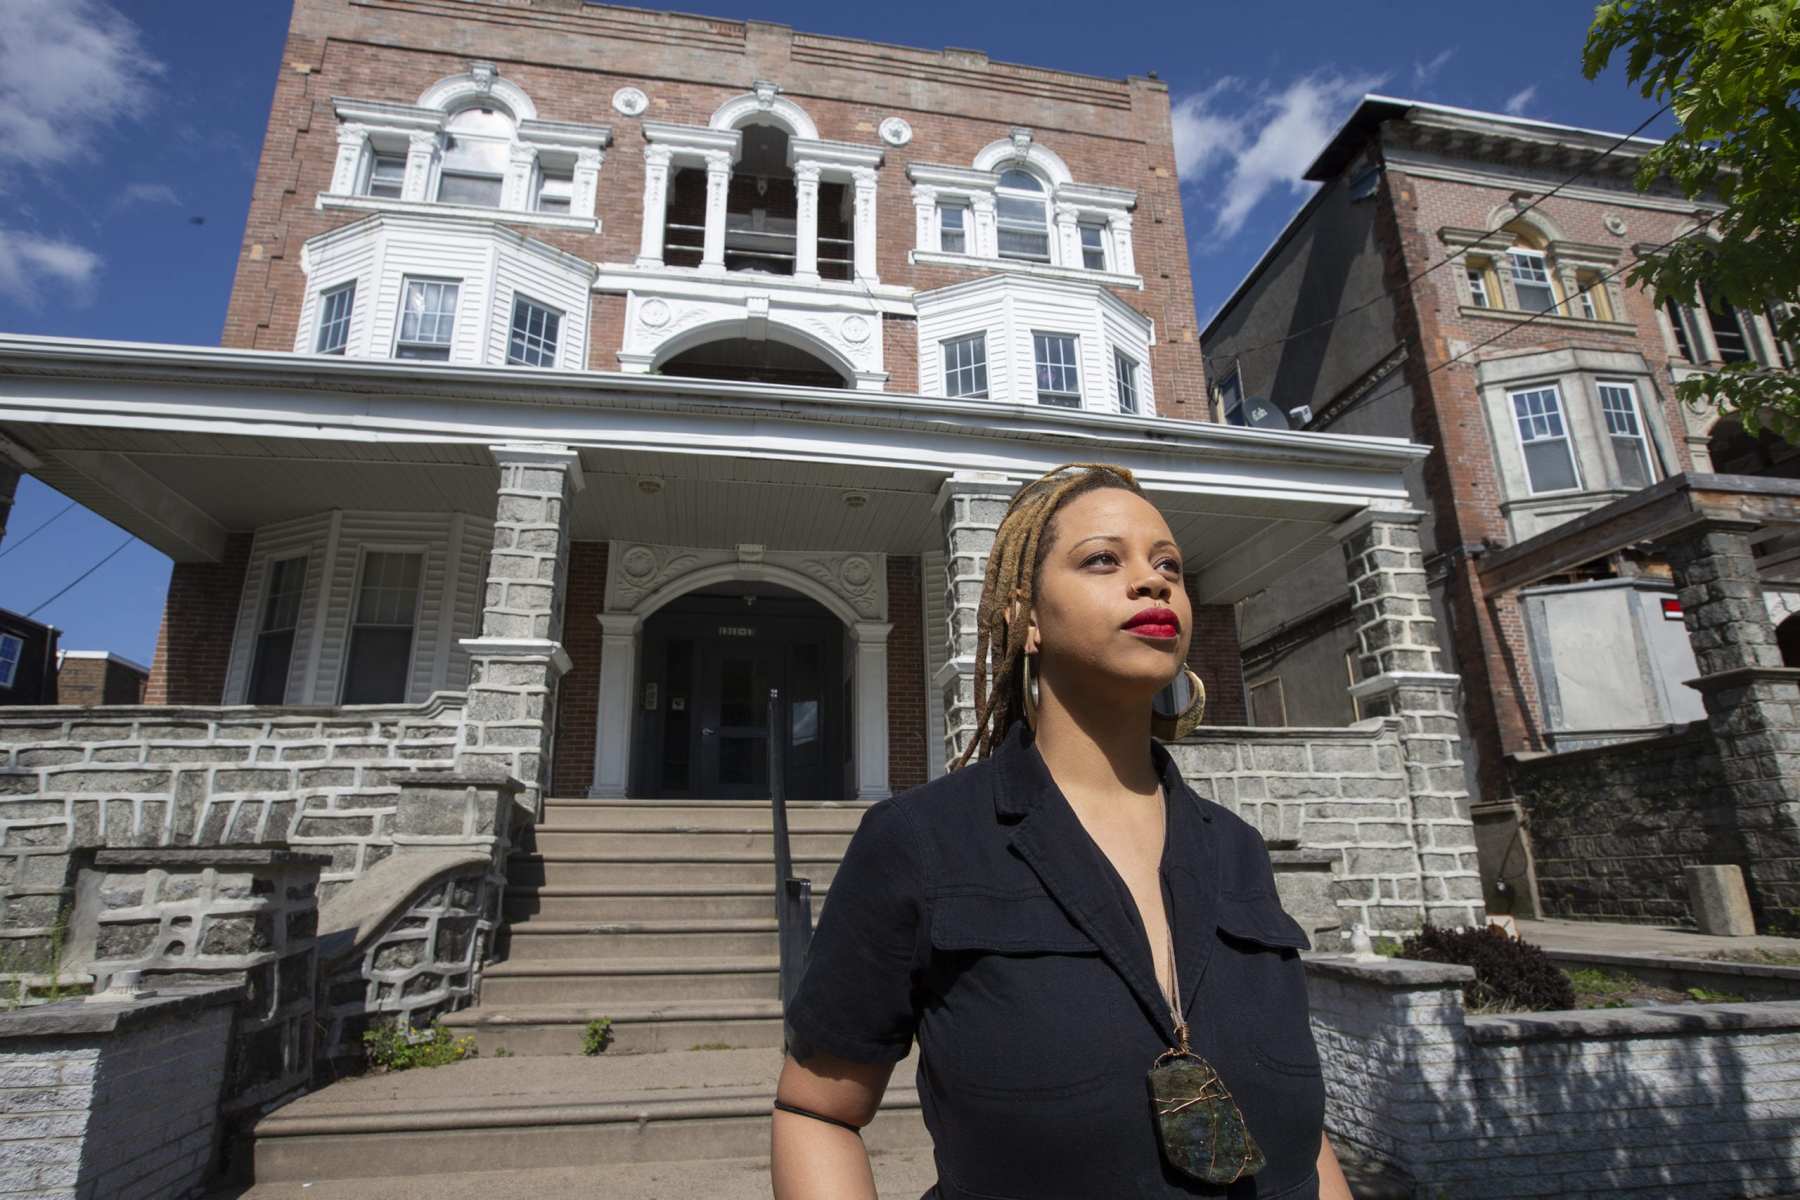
[[45, 524], [111, 554], [1586, 169]]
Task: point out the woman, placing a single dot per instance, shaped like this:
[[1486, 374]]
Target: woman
[[1062, 916]]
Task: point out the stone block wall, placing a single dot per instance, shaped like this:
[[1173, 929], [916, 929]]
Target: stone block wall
[[1337, 790], [110, 1100], [1611, 827], [1696, 1101]]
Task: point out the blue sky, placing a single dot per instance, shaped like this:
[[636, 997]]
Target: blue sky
[[129, 132]]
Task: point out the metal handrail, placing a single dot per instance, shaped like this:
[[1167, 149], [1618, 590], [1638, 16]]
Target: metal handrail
[[793, 897]]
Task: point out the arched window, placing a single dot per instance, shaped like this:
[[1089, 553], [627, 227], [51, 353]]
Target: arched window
[[1022, 217], [477, 143]]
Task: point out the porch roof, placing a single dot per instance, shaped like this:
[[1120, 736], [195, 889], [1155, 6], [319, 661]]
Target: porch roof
[[1677, 503], [182, 445]]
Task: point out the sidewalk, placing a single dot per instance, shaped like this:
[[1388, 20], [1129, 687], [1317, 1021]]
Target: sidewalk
[[1602, 937]]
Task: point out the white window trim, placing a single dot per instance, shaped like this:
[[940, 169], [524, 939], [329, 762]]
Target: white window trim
[[512, 313], [1081, 389], [1137, 390], [423, 552], [1109, 207], [1568, 438], [298, 656], [319, 322], [456, 315], [1652, 459], [944, 369], [11, 678]]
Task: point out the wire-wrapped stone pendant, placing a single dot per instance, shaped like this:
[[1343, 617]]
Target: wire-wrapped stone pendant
[[1202, 1131]]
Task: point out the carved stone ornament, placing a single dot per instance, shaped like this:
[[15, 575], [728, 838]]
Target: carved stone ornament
[[1615, 224], [855, 330], [654, 314], [1021, 139], [765, 94], [640, 570], [630, 101], [895, 131], [482, 75]]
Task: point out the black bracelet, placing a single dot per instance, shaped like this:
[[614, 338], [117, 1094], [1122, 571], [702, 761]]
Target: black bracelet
[[784, 1106]]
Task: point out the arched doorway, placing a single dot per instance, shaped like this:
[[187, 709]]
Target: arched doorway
[[709, 659], [1787, 638]]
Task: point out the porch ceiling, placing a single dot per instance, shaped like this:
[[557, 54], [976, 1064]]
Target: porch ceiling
[[183, 446]]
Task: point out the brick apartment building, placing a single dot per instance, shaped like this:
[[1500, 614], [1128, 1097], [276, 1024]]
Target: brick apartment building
[[1544, 385]]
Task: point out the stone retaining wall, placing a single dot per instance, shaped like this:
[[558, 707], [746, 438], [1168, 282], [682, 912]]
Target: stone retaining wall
[[1611, 827], [113, 1099], [1697, 1101], [1345, 791]]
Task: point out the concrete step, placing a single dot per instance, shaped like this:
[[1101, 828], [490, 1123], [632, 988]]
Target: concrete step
[[649, 902], [552, 840], [605, 981], [488, 1115], [630, 868], [904, 1174], [638, 1027], [742, 937], [614, 814]]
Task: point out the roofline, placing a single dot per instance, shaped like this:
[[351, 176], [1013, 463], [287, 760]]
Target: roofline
[[1261, 264], [107, 655], [22, 355]]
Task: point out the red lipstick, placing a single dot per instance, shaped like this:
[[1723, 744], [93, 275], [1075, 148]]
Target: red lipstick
[[1159, 624]]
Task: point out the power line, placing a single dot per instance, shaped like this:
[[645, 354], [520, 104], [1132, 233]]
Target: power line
[[20, 541], [1238, 355], [111, 554]]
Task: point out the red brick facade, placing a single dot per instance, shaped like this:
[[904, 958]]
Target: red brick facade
[[907, 740], [578, 693], [84, 680], [570, 59], [1213, 654], [193, 647]]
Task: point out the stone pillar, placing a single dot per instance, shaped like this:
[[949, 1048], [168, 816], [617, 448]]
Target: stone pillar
[[985, 235], [1068, 236], [806, 224], [1752, 704], [618, 701], [871, 639], [925, 235], [351, 141], [1124, 261], [521, 166], [656, 203], [718, 183], [865, 224], [421, 156], [515, 663], [971, 505], [585, 182], [1399, 675]]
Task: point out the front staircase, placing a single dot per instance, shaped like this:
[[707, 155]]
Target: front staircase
[[659, 916]]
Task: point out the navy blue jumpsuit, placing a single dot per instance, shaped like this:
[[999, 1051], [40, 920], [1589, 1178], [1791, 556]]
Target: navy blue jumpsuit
[[977, 914]]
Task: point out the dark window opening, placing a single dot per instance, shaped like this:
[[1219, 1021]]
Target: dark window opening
[[754, 362], [684, 218], [275, 635], [1727, 331], [762, 205]]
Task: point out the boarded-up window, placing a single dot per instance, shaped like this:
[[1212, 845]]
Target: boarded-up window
[[1268, 705]]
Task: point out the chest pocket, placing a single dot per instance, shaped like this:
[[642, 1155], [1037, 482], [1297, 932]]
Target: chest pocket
[[1264, 983]]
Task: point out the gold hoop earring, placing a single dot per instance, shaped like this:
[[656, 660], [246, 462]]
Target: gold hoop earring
[[1028, 684], [1179, 708]]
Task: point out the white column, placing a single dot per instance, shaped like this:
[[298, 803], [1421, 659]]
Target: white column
[[352, 140], [618, 703], [718, 183], [1068, 237], [871, 709], [925, 219], [421, 155], [656, 203], [1124, 261], [521, 167], [806, 224], [987, 241], [865, 224], [586, 182]]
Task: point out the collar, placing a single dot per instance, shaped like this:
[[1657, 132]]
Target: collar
[[1048, 835]]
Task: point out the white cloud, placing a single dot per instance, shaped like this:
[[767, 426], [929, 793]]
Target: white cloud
[[69, 69], [1265, 144], [31, 265], [147, 193], [1425, 72], [1517, 102]]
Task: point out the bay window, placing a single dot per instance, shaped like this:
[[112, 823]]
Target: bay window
[[965, 367], [381, 635], [1058, 369], [280, 619], [1544, 440], [534, 333], [427, 319], [1625, 429], [335, 307]]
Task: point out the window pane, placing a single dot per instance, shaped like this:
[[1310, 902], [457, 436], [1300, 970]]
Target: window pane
[[1126, 371], [1631, 449], [427, 319], [1093, 247], [965, 367], [1678, 327], [381, 640], [1728, 333], [1058, 376], [1549, 466], [1548, 462], [554, 192], [1019, 210], [534, 333], [387, 176], [953, 229], [1531, 280], [1478, 287], [483, 190], [1026, 244], [1023, 180], [11, 648], [334, 319]]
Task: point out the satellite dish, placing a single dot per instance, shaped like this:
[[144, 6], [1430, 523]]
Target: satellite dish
[[1263, 415]]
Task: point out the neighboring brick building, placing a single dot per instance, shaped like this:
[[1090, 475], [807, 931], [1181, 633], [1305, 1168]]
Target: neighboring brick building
[[89, 677], [27, 660], [1542, 382]]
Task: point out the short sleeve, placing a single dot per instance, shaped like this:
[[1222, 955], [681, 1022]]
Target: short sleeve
[[855, 998]]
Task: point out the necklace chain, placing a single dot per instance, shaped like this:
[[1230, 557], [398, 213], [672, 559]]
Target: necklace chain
[[1181, 1029]]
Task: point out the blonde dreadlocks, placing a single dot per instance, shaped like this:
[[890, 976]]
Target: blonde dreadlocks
[[1009, 586]]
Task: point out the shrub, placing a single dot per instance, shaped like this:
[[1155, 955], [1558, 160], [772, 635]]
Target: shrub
[[395, 1046], [596, 1035], [1509, 973]]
